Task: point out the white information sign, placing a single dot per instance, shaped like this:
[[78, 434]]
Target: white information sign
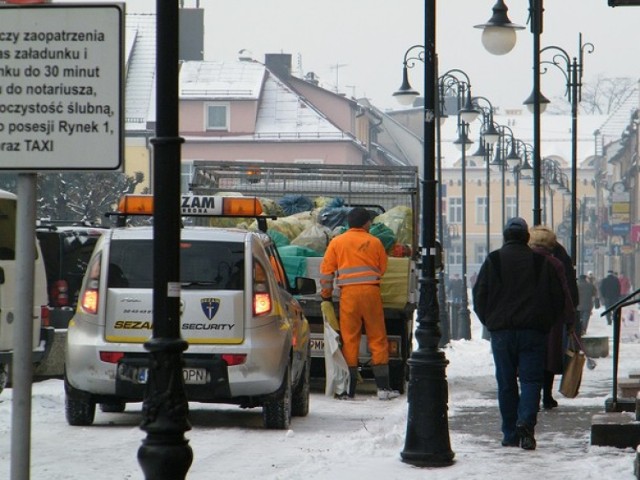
[[61, 87]]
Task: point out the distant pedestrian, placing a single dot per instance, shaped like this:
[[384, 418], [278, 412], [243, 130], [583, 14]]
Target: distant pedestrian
[[588, 295], [516, 297], [543, 241], [625, 285], [610, 292], [456, 288]]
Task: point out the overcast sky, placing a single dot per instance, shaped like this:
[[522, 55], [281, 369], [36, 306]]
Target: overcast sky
[[366, 40]]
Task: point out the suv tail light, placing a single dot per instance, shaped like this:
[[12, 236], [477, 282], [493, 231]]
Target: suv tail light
[[111, 357], [261, 297], [45, 318], [60, 293], [89, 297], [89, 300], [234, 358], [261, 303]]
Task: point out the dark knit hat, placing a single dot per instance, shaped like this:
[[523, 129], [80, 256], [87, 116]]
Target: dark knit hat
[[516, 229], [358, 217]]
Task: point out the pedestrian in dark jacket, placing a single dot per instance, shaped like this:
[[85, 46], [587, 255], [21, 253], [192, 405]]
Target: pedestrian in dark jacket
[[543, 240], [587, 294], [610, 292], [515, 297]]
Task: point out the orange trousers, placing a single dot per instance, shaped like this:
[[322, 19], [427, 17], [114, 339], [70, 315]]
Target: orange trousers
[[363, 304]]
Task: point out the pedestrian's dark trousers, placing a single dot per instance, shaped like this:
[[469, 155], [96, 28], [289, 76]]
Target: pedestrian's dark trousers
[[519, 358]]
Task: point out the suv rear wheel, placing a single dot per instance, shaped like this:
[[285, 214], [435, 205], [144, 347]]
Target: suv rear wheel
[[300, 400], [276, 411], [79, 408]]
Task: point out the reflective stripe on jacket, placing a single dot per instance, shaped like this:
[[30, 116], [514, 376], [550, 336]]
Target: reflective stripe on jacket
[[354, 258]]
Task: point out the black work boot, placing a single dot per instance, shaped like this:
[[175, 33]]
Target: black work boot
[[353, 381], [381, 374]]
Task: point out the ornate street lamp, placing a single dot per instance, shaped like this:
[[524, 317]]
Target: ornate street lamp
[[165, 454], [502, 155], [498, 37], [521, 169], [572, 69], [427, 442], [488, 137], [467, 113]]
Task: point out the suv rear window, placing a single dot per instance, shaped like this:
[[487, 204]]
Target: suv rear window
[[215, 265]]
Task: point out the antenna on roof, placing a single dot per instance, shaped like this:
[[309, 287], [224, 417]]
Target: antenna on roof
[[300, 70], [337, 68], [245, 55]]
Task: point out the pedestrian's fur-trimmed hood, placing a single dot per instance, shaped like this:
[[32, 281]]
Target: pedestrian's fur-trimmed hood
[[542, 236]]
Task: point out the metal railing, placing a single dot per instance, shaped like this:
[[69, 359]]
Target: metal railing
[[616, 308]]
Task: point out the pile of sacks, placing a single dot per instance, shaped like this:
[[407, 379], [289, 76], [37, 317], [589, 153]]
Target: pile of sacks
[[313, 229], [304, 227]]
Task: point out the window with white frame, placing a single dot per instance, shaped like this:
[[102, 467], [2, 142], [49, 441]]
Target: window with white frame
[[480, 253], [454, 254], [186, 173], [481, 210], [217, 116], [511, 207], [455, 210]]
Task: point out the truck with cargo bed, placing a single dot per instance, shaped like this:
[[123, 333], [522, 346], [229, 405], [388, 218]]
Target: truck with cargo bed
[[381, 189]]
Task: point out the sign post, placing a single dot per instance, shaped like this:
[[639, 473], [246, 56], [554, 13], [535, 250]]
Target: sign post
[[61, 108], [61, 87]]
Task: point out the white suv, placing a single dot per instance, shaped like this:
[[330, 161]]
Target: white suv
[[248, 337]]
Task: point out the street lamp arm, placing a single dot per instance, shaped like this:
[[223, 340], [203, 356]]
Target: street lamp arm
[[571, 68], [452, 73], [410, 58]]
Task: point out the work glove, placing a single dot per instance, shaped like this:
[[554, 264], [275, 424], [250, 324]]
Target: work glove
[[329, 314]]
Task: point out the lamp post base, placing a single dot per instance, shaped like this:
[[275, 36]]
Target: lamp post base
[[427, 440], [165, 453]]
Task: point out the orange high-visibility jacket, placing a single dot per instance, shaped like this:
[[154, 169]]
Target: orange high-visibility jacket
[[354, 258]]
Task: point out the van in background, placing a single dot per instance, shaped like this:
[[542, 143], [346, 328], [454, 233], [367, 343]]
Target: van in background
[[43, 334]]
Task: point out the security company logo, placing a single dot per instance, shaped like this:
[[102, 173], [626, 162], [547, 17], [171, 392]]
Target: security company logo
[[210, 306]]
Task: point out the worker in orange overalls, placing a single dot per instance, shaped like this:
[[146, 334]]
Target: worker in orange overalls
[[356, 261]]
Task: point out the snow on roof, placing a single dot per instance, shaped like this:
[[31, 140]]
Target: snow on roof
[[140, 55], [221, 80], [281, 110], [612, 128], [282, 114]]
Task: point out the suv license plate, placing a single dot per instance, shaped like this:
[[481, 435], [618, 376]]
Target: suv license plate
[[317, 346], [192, 376]]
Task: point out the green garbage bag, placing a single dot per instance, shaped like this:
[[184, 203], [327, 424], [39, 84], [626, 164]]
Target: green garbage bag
[[384, 234]]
